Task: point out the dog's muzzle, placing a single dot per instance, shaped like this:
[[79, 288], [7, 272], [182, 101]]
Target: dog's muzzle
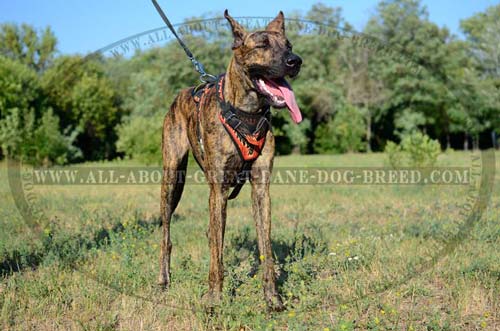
[[293, 64]]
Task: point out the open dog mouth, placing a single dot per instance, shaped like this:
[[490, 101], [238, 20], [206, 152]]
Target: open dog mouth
[[280, 95]]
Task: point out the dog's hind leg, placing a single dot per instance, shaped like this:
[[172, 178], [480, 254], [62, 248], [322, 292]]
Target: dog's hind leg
[[175, 148]]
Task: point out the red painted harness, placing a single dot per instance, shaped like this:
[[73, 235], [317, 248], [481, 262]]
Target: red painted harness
[[248, 131]]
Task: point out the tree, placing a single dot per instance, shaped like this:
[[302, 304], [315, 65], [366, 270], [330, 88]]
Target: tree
[[25, 44], [483, 41], [363, 88], [147, 101], [19, 94], [29, 130], [84, 99], [483, 34], [415, 77], [19, 86]]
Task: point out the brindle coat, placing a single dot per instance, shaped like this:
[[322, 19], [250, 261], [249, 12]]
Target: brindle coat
[[258, 53]]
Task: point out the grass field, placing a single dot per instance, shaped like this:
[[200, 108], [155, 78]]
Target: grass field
[[348, 258]]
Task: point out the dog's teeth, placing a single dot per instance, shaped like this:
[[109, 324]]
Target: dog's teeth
[[264, 87]]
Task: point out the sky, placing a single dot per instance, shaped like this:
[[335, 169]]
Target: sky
[[83, 26]]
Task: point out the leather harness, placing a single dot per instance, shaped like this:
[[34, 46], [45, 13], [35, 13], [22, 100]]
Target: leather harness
[[248, 131]]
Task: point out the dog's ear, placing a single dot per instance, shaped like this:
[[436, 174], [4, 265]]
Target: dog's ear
[[278, 24], [239, 32]]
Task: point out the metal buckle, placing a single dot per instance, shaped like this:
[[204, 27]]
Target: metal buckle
[[243, 176]]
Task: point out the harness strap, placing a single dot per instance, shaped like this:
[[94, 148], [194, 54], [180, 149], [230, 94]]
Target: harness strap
[[241, 179], [198, 93], [248, 131]]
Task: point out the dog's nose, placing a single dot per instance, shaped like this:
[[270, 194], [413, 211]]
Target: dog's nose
[[293, 61]]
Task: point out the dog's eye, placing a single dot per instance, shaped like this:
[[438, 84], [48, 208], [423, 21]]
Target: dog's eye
[[264, 43]]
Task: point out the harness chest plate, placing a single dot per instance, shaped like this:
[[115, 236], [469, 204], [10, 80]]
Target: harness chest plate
[[248, 131]]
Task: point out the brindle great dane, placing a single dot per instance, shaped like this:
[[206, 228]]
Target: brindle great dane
[[254, 81]]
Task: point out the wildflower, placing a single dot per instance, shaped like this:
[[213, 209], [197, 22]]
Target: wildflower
[[291, 314], [356, 257], [376, 320], [349, 259], [332, 254], [262, 258], [382, 311], [326, 329], [484, 324]]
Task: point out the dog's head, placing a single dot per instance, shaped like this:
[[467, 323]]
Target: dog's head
[[267, 57]]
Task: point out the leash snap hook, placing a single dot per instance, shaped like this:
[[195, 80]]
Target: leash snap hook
[[204, 77]]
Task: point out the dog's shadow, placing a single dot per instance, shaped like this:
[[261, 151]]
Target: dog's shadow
[[242, 247]]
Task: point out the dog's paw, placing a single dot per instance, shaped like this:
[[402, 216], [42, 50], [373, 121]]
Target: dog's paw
[[211, 298], [275, 304], [164, 282]]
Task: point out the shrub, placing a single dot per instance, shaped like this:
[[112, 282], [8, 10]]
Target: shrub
[[51, 145], [140, 138], [344, 134], [36, 142], [290, 137], [415, 150], [394, 154], [29, 130]]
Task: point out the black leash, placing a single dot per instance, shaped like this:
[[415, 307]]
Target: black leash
[[204, 77]]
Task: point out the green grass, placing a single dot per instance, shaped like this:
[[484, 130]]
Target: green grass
[[346, 257]]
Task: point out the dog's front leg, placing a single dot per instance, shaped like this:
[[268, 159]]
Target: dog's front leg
[[218, 203], [261, 207]]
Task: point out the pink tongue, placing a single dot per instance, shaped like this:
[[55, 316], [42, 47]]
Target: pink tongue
[[286, 92]]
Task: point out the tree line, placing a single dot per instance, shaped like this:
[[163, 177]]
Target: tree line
[[57, 109]]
